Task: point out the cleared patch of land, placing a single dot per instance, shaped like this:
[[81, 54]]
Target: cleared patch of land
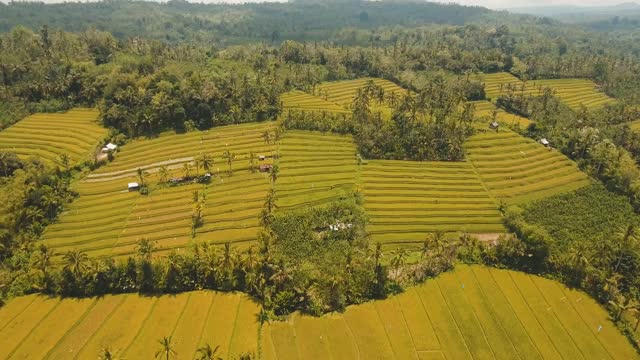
[[472, 312], [406, 200], [517, 169], [300, 100], [75, 133], [315, 169], [107, 220]]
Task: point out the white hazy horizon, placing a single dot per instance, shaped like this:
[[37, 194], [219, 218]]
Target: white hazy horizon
[[492, 4]]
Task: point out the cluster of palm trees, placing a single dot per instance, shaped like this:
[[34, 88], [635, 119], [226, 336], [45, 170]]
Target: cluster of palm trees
[[166, 351]]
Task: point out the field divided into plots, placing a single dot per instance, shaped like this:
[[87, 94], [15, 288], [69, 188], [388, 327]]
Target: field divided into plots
[[470, 313], [572, 92], [36, 327], [406, 200], [315, 169], [518, 169], [107, 220], [473, 312], [484, 110], [300, 100], [75, 133], [343, 92]]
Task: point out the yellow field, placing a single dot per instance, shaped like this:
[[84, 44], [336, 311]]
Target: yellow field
[[573, 92], [484, 111], [300, 100], [75, 133], [517, 169], [473, 312], [130, 325], [107, 220], [406, 200], [343, 92], [315, 169]]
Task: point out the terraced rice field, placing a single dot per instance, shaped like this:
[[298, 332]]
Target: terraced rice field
[[485, 109], [343, 92], [47, 136], [576, 92], [573, 92], [517, 169], [36, 327], [107, 220], [496, 83], [300, 100], [315, 169], [473, 312], [406, 200]]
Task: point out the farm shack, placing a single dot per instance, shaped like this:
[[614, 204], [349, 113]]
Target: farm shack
[[265, 167], [494, 125], [133, 186], [109, 147], [261, 157], [544, 142]]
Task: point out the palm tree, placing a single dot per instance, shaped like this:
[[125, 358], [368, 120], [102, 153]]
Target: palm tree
[[65, 161], [145, 248], [266, 136], [263, 316], [206, 161], [107, 354], [186, 169], [42, 258], [142, 175], [579, 257], [166, 350], [76, 262], [622, 304], [206, 352], [252, 162], [399, 259], [229, 156], [164, 174], [197, 164], [275, 170], [270, 201]]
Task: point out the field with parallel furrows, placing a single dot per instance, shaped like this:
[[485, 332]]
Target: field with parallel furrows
[[75, 133], [407, 200], [315, 169], [473, 312], [517, 169]]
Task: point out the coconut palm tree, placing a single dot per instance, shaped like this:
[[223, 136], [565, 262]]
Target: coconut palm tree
[[398, 260], [65, 160], [252, 162], [206, 161], [164, 174], [76, 262], [145, 248], [107, 354], [266, 136], [622, 304], [270, 201], [186, 169], [142, 176], [42, 258], [166, 349], [275, 170], [206, 352], [229, 156]]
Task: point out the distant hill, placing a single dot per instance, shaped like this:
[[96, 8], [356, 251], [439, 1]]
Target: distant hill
[[597, 16], [179, 20]]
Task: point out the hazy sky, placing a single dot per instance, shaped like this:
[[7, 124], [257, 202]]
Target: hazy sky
[[517, 3]]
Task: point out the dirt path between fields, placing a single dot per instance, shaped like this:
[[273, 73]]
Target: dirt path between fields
[[151, 168]]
